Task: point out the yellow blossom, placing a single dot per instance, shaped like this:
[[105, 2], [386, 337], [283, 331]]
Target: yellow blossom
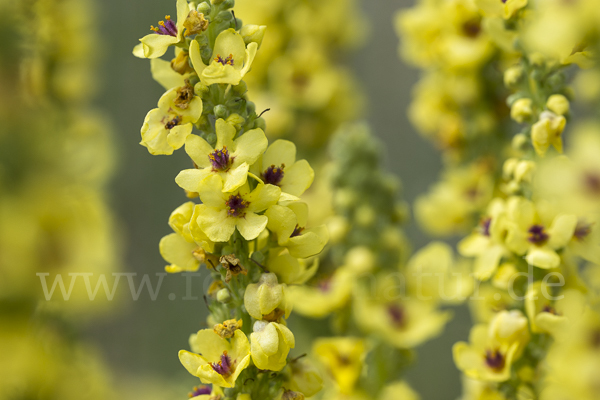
[[230, 159], [167, 34], [221, 213], [270, 344], [327, 295], [289, 269], [289, 225], [548, 131], [231, 59], [166, 128], [343, 358], [558, 104], [267, 299], [219, 361], [521, 110]]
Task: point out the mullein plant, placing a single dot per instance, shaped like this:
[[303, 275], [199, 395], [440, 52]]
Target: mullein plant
[[300, 74], [249, 228], [55, 158], [458, 104], [377, 305], [536, 249]]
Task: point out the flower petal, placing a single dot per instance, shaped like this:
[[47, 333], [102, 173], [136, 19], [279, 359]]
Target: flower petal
[[297, 178], [198, 149], [280, 152], [251, 225], [191, 179], [250, 146]]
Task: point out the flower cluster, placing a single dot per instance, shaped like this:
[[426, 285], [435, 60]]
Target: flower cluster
[[250, 229], [300, 75], [458, 104], [55, 158], [378, 306], [536, 248]]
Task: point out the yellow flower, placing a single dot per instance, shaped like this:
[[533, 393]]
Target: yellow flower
[[253, 33], [329, 294], [267, 299], [167, 34], [547, 315], [488, 301], [403, 323], [548, 131], [270, 344], [231, 59], [509, 327], [219, 361], [485, 243], [221, 213], [289, 269], [289, 225], [558, 104], [536, 235], [163, 73], [398, 390], [305, 378], [433, 273], [278, 166], [229, 160], [166, 128], [483, 358], [343, 358], [521, 110]]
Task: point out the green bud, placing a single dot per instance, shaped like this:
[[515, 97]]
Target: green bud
[[240, 88], [253, 33], [228, 4], [224, 16], [220, 111], [201, 89], [216, 2], [211, 138], [224, 296], [204, 8], [260, 123], [250, 107]]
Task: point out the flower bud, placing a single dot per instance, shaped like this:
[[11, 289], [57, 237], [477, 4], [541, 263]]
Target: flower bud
[[270, 344], [513, 75], [558, 104], [291, 395], [365, 215], [260, 123], [519, 142], [253, 33], [240, 88], [521, 110], [224, 296], [305, 378], [267, 299], [547, 131], [360, 259], [204, 8], [220, 111], [509, 327], [236, 120], [201, 89], [180, 64]]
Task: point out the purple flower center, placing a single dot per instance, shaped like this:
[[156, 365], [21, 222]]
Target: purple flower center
[[200, 390], [397, 315], [273, 175], [237, 206], [472, 28], [582, 230], [596, 339], [592, 183], [549, 309], [484, 226], [166, 28], [537, 235], [297, 231], [224, 366], [220, 159], [224, 61], [325, 285], [172, 123], [494, 359]]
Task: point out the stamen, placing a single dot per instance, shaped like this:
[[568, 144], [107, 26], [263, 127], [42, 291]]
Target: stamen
[[200, 390], [226, 61], [273, 175], [220, 159], [224, 366], [166, 28], [538, 235], [237, 206], [472, 28], [494, 360], [173, 123], [582, 230], [297, 231], [484, 226], [397, 315]]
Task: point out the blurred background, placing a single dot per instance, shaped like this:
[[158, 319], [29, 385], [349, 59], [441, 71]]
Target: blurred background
[[143, 337]]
